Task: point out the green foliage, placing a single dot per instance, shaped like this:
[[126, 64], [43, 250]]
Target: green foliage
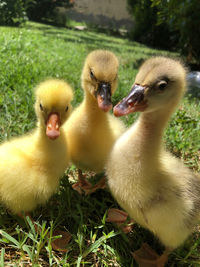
[[44, 10], [145, 28], [183, 20], [13, 12], [170, 24]]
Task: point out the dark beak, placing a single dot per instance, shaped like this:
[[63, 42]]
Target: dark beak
[[104, 96], [132, 103]]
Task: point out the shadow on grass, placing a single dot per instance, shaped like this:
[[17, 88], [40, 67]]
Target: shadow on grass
[[93, 40]]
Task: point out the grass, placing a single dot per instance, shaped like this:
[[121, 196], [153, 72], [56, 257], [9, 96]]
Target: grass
[[29, 55]]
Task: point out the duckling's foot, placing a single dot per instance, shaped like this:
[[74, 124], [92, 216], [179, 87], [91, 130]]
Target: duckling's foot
[[82, 185], [147, 257], [120, 218], [100, 185], [60, 244]]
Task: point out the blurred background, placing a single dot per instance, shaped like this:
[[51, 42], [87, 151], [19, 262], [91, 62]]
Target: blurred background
[[165, 24]]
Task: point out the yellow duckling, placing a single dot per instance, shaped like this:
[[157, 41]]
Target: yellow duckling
[[32, 165], [91, 130], [153, 186]]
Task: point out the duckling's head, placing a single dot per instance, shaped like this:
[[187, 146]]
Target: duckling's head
[[99, 77], [52, 105], [159, 84]]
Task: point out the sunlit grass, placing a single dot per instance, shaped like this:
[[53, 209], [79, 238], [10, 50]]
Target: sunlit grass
[[28, 56]]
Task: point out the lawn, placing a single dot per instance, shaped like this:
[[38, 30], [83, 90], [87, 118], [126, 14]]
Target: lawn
[[29, 55]]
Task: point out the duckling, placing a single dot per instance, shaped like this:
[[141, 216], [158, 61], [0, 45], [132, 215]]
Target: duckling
[[154, 187], [32, 165], [91, 130]]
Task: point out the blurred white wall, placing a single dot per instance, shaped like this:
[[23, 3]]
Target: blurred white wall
[[111, 13]]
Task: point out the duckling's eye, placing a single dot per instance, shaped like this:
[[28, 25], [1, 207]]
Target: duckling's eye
[[162, 85], [91, 74], [41, 107], [66, 109]]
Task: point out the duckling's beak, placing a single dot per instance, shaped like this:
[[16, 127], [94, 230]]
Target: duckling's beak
[[131, 103], [53, 126], [104, 96]]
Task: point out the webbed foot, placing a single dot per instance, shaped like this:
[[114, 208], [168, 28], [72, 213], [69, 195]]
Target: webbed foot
[[147, 257]]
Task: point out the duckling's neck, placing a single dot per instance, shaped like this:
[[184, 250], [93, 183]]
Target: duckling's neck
[[51, 154], [149, 132], [153, 123], [91, 105]]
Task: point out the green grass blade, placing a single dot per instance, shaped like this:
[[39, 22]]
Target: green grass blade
[[31, 225], [2, 257], [79, 261], [98, 243], [10, 238], [27, 250]]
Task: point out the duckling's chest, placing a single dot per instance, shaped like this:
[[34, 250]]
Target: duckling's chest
[[91, 154], [128, 176], [54, 162], [91, 144]]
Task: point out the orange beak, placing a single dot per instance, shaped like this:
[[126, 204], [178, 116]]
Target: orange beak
[[53, 126], [103, 106]]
